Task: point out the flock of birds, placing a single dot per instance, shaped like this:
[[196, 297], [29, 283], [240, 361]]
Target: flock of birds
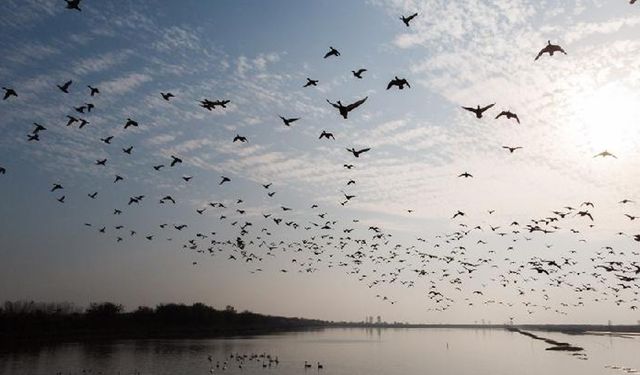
[[368, 252]]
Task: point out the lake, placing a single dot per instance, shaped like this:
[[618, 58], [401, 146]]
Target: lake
[[340, 351]]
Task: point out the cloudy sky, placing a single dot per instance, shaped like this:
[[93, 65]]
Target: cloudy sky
[[258, 55]]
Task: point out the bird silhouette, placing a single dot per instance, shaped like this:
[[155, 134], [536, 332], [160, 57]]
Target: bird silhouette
[[332, 52], [33, 137], [239, 138], [344, 110], [175, 160], [288, 121], [550, 49], [167, 96], [9, 93], [311, 82], [3, 170], [73, 4], [400, 83], [118, 178], [358, 73], [107, 140], [93, 90], [102, 162], [604, 154], [38, 128], [465, 175], [224, 179], [357, 153], [478, 110], [511, 149], [408, 19], [510, 115], [326, 135], [65, 87], [56, 187], [129, 123], [93, 195], [128, 150]]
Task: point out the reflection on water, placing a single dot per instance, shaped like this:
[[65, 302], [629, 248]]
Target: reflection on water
[[340, 351]]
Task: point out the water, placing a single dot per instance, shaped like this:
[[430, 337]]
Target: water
[[341, 352]]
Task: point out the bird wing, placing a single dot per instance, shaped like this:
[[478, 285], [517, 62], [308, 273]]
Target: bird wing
[[487, 107], [364, 150], [503, 113], [356, 104], [391, 83], [333, 104]]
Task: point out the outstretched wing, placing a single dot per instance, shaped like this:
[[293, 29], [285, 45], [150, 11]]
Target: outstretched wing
[[333, 104], [487, 107], [355, 105], [470, 109], [363, 150], [503, 113], [391, 83]]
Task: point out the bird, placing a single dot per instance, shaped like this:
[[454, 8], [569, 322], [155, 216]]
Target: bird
[[65, 87], [176, 160], [239, 138], [465, 175], [118, 178], [511, 149], [128, 150], [167, 96], [71, 120], [61, 199], [9, 93], [93, 195], [130, 122], [479, 110], [408, 19], [458, 213], [311, 82], [348, 166], [94, 90], [288, 121], [33, 137], [550, 49], [187, 178], [38, 128], [327, 135], [73, 4], [107, 140], [358, 73], [224, 179], [604, 154], [332, 52], [509, 115], [102, 162], [3, 170], [344, 110], [400, 83], [158, 167], [357, 153]]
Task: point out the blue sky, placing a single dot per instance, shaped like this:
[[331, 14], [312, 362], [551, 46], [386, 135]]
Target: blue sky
[[258, 55]]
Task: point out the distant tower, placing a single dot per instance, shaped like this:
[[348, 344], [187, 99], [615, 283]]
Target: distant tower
[[379, 319]]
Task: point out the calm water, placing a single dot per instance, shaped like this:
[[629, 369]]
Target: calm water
[[341, 351]]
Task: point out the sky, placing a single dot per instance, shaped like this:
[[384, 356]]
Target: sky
[[258, 55]]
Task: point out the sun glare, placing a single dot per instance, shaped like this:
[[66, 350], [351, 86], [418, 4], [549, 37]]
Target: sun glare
[[607, 118]]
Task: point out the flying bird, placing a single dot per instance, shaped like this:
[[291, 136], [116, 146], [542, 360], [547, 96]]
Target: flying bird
[[511, 149], [357, 153], [9, 93], [400, 83], [510, 115], [332, 52], [128, 150], [288, 121], [239, 138], [73, 4], [224, 179], [311, 82], [167, 96], [344, 110], [407, 19], [465, 175], [176, 160], [479, 110], [65, 87], [130, 122], [358, 73], [94, 90], [326, 135], [550, 49], [604, 154]]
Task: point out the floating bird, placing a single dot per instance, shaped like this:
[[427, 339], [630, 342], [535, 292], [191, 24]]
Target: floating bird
[[65, 87], [408, 19], [344, 110], [478, 110], [332, 52], [400, 83], [9, 93], [326, 135], [357, 153], [510, 115], [167, 96], [288, 121], [550, 49], [358, 73]]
